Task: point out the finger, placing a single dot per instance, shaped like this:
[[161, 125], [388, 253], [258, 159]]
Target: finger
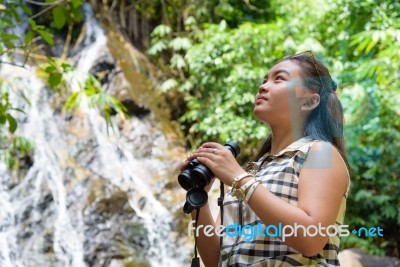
[[212, 145], [184, 165], [206, 161], [209, 150], [207, 155], [190, 157]]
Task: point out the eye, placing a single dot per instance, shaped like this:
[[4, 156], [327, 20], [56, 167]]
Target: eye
[[279, 77]]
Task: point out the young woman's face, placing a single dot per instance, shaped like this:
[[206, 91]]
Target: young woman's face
[[281, 94]]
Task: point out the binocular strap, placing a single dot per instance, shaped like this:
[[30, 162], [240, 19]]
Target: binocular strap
[[221, 207], [196, 260]]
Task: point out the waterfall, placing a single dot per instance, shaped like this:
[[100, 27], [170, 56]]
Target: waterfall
[[92, 196]]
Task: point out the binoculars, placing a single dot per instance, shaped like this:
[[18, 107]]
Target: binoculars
[[196, 176]]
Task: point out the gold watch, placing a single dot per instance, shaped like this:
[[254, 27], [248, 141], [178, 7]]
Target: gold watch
[[240, 193]]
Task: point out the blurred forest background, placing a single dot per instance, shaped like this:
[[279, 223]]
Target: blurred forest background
[[210, 58]]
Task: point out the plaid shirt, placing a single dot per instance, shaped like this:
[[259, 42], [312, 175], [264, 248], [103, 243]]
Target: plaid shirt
[[280, 175]]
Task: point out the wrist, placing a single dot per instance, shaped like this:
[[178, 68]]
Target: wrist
[[241, 193], [235, 182], [244, 181]]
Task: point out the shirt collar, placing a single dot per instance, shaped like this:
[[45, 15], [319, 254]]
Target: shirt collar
[[297, 145]]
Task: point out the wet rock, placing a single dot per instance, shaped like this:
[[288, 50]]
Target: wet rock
[[357, 258]]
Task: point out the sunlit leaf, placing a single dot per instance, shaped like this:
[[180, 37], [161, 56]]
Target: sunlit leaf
[[76, 3], [3, 118], [46, 36], [59, 16], [180, 44], [29, 36], [157, 48], [12, 123], [161, 30], [54, 79]]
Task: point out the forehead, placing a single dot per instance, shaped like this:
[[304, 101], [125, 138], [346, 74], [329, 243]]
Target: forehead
[[287, 65]]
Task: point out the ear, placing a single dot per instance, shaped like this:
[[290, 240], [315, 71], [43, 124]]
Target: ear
[[311, 102]]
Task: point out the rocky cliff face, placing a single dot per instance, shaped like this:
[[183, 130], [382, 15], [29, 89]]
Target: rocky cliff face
[[91, 195]]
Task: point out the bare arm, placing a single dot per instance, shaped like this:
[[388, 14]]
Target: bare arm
[[322, 183], [208, 246]]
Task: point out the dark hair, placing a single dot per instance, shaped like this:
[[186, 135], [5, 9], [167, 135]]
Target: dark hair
[[325, 122]]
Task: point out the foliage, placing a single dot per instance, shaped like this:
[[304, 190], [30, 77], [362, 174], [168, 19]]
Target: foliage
[[17, 149], [66, 13], [12, 147], [59, 74], [5, 107], [227, 72], [48, 19], [213, 54], [376, 184], [96, 98], [219, 73]]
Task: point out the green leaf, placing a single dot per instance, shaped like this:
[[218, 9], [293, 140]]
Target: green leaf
[[177, 61], [180, 44], [59, 16], [157, 48], [50, 69], [29, 36], [18, 109], [54, 79], [3, 119], [77, 14], [73, 100], [15, 14], [66, 66], [9, 37], [33, 24], [26, 9], [12, 123], [46, 36], [161, 30], [168, 85], [9, 160], [76, 3]]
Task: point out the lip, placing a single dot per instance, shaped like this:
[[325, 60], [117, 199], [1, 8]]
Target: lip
[[260, 99]]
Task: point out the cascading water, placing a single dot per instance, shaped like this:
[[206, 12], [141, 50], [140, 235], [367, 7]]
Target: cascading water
[[91, 197]]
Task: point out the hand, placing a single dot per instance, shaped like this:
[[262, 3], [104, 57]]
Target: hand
[[220, 161], [191, 157]]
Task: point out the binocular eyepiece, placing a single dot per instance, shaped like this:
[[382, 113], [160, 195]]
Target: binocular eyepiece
[[196, 176]]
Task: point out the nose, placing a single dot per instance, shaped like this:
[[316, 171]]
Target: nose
[[263, 88]]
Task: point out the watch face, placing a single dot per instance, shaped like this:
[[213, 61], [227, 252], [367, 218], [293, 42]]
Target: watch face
[[239, 194]]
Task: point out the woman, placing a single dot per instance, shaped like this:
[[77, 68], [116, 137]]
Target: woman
[[299, 177]]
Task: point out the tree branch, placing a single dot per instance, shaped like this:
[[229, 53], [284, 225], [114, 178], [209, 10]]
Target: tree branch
[[67, 41]]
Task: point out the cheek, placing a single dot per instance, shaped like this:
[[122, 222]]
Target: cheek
[[290, 99], [280, 99], [277, 107]]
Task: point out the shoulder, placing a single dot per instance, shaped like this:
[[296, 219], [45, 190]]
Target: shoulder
[[324, 159], [324, 155]]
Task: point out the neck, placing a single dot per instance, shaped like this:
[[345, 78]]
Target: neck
[[282, 138]]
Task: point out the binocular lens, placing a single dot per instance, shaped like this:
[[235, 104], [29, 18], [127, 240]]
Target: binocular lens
[[196, 176], [201, 176], [196, 197], [184, 180]]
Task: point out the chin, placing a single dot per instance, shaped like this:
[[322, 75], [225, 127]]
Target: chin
[[261, 116]]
